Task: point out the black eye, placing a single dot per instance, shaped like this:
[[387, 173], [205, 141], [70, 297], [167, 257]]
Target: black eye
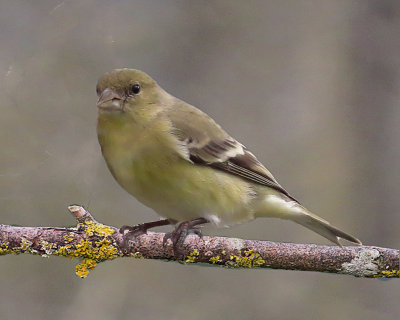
[[134, 89]]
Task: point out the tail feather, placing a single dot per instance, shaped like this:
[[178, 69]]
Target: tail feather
[[322, 227], [279, 206]]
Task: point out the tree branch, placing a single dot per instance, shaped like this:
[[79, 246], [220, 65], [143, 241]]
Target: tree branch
[[94, 242]]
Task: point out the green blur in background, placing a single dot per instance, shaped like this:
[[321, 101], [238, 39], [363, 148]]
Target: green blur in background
[[311, 87]]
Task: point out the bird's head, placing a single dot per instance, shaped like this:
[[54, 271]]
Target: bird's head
[[128, 91]]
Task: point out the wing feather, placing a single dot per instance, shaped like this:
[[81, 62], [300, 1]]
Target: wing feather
[[208, 144]]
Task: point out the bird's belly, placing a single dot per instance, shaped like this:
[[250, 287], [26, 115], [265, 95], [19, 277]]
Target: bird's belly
[[179, 190]]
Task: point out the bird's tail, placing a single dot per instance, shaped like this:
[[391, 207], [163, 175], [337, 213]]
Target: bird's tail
[[320, 226]]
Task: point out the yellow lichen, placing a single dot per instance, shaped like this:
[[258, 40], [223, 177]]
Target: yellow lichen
[[99, 229], [215, 260], [96, 247], [137, 255], [191, 258], [69, 237], [4, 248], [92, 251], [25, 244], [47, 247], [101, 250], [83, 268], [388, 274], [64, 252], [250, 259], [4, 251]]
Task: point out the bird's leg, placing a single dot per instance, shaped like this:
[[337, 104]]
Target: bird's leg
[[180, 233], [130, 233]]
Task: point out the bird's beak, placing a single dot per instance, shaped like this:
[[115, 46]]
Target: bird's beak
[[109, 100]]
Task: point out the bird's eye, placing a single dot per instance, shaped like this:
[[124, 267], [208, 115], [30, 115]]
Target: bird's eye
[[134, 89]]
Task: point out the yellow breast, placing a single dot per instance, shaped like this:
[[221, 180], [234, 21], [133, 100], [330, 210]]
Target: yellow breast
[[148, 163]]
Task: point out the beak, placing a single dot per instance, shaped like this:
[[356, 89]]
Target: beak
[[109, 99]]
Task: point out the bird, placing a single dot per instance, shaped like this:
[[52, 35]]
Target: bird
[[177, 160]]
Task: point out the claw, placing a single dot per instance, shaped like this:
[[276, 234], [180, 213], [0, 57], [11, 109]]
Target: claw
[[167, 237], [198, 232], [180, 233], [132, 233]]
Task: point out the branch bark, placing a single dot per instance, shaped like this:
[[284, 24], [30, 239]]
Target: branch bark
[[94, 242]]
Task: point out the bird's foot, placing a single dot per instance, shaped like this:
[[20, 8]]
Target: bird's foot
[[178, 236], [133, 231], [130, 233]]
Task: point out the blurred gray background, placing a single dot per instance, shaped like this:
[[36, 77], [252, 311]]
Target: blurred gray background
[[311, 87]]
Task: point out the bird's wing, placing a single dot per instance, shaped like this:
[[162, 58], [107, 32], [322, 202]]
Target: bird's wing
[[206, 143]]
